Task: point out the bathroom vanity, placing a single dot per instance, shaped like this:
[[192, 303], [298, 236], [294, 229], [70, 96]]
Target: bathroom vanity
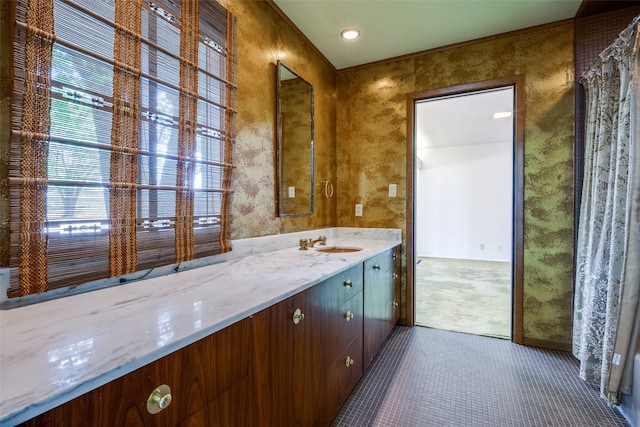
[[275, 338]]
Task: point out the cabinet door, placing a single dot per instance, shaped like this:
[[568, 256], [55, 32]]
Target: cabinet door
[[195, 374], [378, 310], [288, 360], [118, 403], [230, 409]]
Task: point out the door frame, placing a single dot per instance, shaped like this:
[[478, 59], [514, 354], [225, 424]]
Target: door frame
[[517, 250]]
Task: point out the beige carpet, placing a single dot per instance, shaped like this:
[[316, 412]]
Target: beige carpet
[[464, 296]]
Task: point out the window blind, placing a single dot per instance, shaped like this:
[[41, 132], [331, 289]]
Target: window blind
[[123, 125]]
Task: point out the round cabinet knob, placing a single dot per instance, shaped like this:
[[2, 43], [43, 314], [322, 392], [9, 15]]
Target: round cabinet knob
[[347, 283], [298, 316], [159, 399], [348, 315], [348, 361], [376, 267]]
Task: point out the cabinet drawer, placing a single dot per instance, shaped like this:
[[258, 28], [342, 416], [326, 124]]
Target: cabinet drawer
[[345, 285], [379, 263], [343, 326], [343, 377], [396, 255]]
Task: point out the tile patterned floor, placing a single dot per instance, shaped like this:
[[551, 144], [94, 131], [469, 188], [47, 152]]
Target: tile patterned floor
[[428, 377], [468, 296]]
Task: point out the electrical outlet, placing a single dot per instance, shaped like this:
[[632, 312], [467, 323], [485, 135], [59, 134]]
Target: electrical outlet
[[292, 192], [393, 190], [358, 210]]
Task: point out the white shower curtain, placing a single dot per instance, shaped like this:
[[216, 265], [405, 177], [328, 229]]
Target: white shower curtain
[[606, 305]]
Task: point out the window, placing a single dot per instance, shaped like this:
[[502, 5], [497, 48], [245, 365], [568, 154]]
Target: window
[[123, 120]]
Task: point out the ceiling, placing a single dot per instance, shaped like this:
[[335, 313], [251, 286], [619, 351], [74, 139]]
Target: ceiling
[[463, 120], [391, 28]]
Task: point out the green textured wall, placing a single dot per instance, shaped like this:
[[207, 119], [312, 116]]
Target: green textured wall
[[371, 152]]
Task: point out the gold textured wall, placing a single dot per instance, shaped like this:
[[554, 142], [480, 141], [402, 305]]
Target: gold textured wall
[[371, 152], [263, 38]]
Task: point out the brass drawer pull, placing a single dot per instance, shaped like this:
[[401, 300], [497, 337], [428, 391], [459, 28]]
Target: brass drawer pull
[[298, 316], [159, 399], [348, 362], [348, 315], [347, 283]]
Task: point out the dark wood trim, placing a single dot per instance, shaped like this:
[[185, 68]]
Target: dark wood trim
[[7, 20], [461, 44], [300, 33], [551, 345], [595, 7], [410, 306], [518, 211], [518, 83]]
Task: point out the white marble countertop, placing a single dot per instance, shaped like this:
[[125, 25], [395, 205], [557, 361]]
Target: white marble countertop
[[54, 351]]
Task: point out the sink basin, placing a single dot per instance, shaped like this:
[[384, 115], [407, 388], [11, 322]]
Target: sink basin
[[339, 249]]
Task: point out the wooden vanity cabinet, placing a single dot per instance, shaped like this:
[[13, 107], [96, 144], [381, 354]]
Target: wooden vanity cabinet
[[292, 364], [381, 302], [204, 377], [288, 359], [304, 372]]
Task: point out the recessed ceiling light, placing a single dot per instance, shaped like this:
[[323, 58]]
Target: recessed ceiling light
[[350, 33], [502, 115]]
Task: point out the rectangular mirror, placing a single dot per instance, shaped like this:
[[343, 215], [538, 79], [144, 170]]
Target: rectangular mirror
[[295, 143]]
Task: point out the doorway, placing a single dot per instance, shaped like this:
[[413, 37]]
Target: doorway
[[465, 208], [463, 212]]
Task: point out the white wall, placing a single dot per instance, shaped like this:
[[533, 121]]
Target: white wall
[[464, 200]]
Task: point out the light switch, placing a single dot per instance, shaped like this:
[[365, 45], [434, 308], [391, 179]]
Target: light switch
[[358, 210], [393, 190], [292, 192]]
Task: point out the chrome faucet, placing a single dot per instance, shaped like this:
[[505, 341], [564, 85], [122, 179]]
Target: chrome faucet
[[308, 243]]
